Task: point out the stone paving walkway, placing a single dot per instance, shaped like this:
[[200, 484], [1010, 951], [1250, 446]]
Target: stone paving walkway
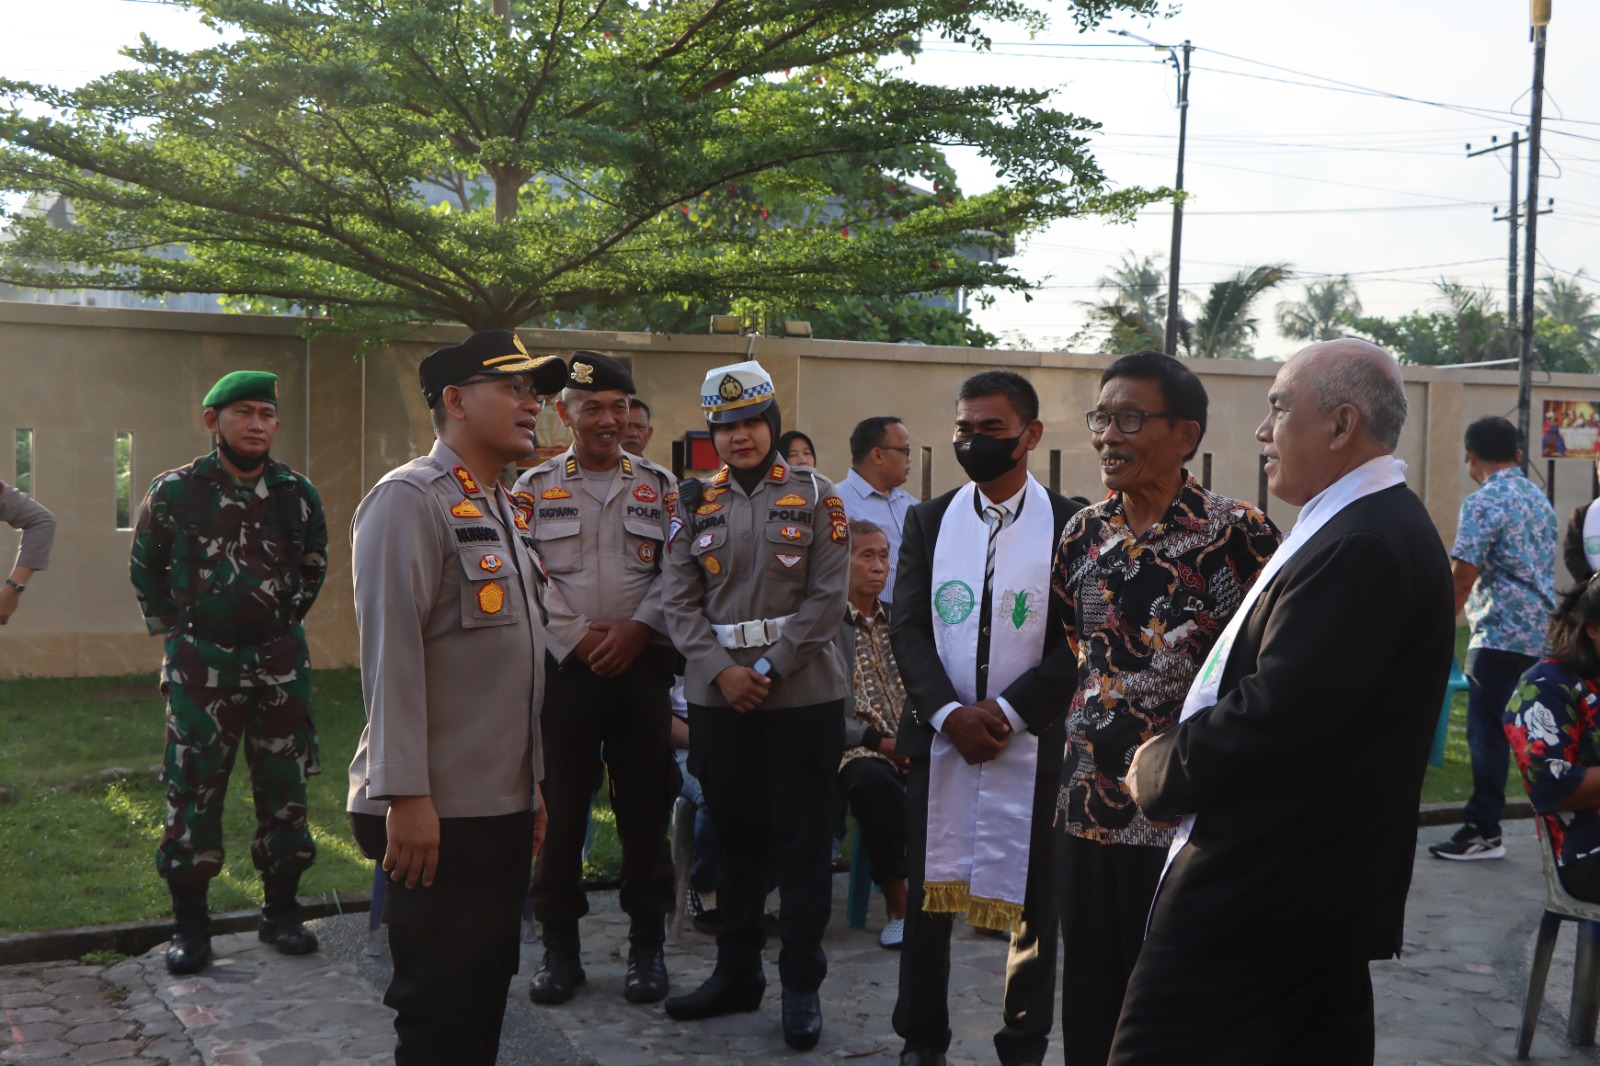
[[1452, 1000]]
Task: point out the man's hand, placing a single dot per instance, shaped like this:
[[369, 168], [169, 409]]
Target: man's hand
[[413, 852], [1133, 764], [901, 762], [591, 641], [8, 603], [541, 821], [743, 688], [976, 734], [621, 644]]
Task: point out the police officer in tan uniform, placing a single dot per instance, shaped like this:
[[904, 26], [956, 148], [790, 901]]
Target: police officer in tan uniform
[[451, 598], [755, 588], [600, 518]]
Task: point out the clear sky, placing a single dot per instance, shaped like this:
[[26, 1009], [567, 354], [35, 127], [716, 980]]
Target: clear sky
[[1283, 163]]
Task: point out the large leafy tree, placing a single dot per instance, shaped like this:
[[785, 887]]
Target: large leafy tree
[[1226, 326], [491, 163]]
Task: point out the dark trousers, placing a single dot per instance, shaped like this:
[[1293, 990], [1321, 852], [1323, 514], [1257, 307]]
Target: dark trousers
[[1491, 676], [769, 777], [877, 796], [1189, 1007], [630, 717], [1103, 894], [455, 945], [922, 1011]]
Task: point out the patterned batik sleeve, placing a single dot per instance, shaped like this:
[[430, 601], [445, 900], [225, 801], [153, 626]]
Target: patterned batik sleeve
[[1544, 724], [1062, 585], [1475, 531], [1253, 541]]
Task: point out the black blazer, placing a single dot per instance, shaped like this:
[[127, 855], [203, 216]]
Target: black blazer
[[1040, 696], [1306, 774]]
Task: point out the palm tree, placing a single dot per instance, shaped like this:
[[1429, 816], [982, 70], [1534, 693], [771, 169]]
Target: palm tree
[[1475, 318], [1134, 312], [1225, 327], [1568, 303], [1322, 315]]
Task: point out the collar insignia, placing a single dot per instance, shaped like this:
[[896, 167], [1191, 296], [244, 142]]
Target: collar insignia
[[572, 466], [721, 478], [779, 472], [627, 467], [468, 484]]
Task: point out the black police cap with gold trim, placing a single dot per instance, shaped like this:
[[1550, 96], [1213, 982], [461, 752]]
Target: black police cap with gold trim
[[598, 372], [490, 352]]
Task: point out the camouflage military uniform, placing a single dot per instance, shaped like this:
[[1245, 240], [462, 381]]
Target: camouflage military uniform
[[227, 573]]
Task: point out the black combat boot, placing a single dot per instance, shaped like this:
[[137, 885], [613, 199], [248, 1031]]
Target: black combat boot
[[646, 981], [561, 972], [280, 916], [190, 949]]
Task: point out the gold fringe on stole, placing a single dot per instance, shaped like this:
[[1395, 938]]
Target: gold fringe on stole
[[955, 897], [998, 914], [945, 897]]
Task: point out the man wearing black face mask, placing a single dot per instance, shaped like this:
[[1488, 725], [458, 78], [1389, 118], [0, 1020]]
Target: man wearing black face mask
[[988, 672]]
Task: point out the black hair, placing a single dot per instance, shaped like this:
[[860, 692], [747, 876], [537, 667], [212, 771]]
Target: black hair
[[869, 434], [1567, 640], [1017, 390], [1493, 439], [1182, 393], [863, 527], [634, 401], [788, 439]]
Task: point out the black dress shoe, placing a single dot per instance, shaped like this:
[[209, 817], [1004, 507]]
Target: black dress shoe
[[921, 1056], [719, 995], [647, 974], [557, 977], [802, 1019], [189, 952]]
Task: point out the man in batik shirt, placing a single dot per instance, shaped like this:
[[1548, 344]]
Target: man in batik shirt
[[1147, 580]]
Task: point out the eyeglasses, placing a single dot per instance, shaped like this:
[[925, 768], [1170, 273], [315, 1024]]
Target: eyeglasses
[[518, 386], [1127, 421], [906, 451]]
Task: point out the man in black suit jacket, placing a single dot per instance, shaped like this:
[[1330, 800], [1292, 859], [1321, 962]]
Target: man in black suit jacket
[[1301, 769], [997, 425]]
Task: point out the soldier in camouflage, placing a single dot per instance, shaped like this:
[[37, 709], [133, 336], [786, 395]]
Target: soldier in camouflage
[[228, 556]]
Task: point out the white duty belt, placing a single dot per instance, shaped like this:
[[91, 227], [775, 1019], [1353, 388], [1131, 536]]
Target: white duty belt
[[754, 634]]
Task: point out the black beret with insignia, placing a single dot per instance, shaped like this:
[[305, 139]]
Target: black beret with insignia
[[490, 352], [598, 372]]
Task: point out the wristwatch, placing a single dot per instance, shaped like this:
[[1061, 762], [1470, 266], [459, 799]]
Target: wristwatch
[[20, 588], [765, 668]]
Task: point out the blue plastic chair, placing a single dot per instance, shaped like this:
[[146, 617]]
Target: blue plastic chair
[[1457, 683]]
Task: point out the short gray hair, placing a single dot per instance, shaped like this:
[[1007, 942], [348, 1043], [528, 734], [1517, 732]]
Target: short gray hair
[[1372, 389]]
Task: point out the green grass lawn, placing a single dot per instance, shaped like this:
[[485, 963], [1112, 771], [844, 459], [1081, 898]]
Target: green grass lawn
[[75, 853]]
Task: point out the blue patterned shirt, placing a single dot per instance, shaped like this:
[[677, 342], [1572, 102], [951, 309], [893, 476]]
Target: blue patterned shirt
[[1508, 531]]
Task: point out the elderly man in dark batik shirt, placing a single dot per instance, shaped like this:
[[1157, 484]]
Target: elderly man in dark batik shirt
[[1147, 580], [871, 774]]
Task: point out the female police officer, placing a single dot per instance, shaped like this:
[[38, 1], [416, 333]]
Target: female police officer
[[755, 585]]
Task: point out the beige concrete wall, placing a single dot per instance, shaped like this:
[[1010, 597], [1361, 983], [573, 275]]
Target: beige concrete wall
[[78, 375]]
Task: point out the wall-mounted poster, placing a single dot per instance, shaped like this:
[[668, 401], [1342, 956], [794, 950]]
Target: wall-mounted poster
[[1571, 428]]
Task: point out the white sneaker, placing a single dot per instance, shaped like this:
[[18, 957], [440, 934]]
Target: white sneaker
[[893, 935]]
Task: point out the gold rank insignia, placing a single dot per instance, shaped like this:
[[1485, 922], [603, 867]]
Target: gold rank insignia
[[491, 563], [647, 552], [790, 532], [627, 466], [582, 373], [778, 472], [713, 567], [710, 508], [792, 500], [721, 478], [466, 509], [572, 466], [556, 494], [491, 598], [645, 494], [469, 485]]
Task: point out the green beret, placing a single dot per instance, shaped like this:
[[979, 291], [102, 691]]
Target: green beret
[[243, 385]]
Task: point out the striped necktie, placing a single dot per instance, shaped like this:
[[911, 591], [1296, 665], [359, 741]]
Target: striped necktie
[[995, 515]]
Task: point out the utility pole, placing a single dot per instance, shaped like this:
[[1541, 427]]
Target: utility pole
[[1540, 20], [1511, 216], [1175, 256]]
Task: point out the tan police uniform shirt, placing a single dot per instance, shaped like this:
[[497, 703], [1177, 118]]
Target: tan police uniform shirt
[[449, 593], [601, 541], [782, 550]]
